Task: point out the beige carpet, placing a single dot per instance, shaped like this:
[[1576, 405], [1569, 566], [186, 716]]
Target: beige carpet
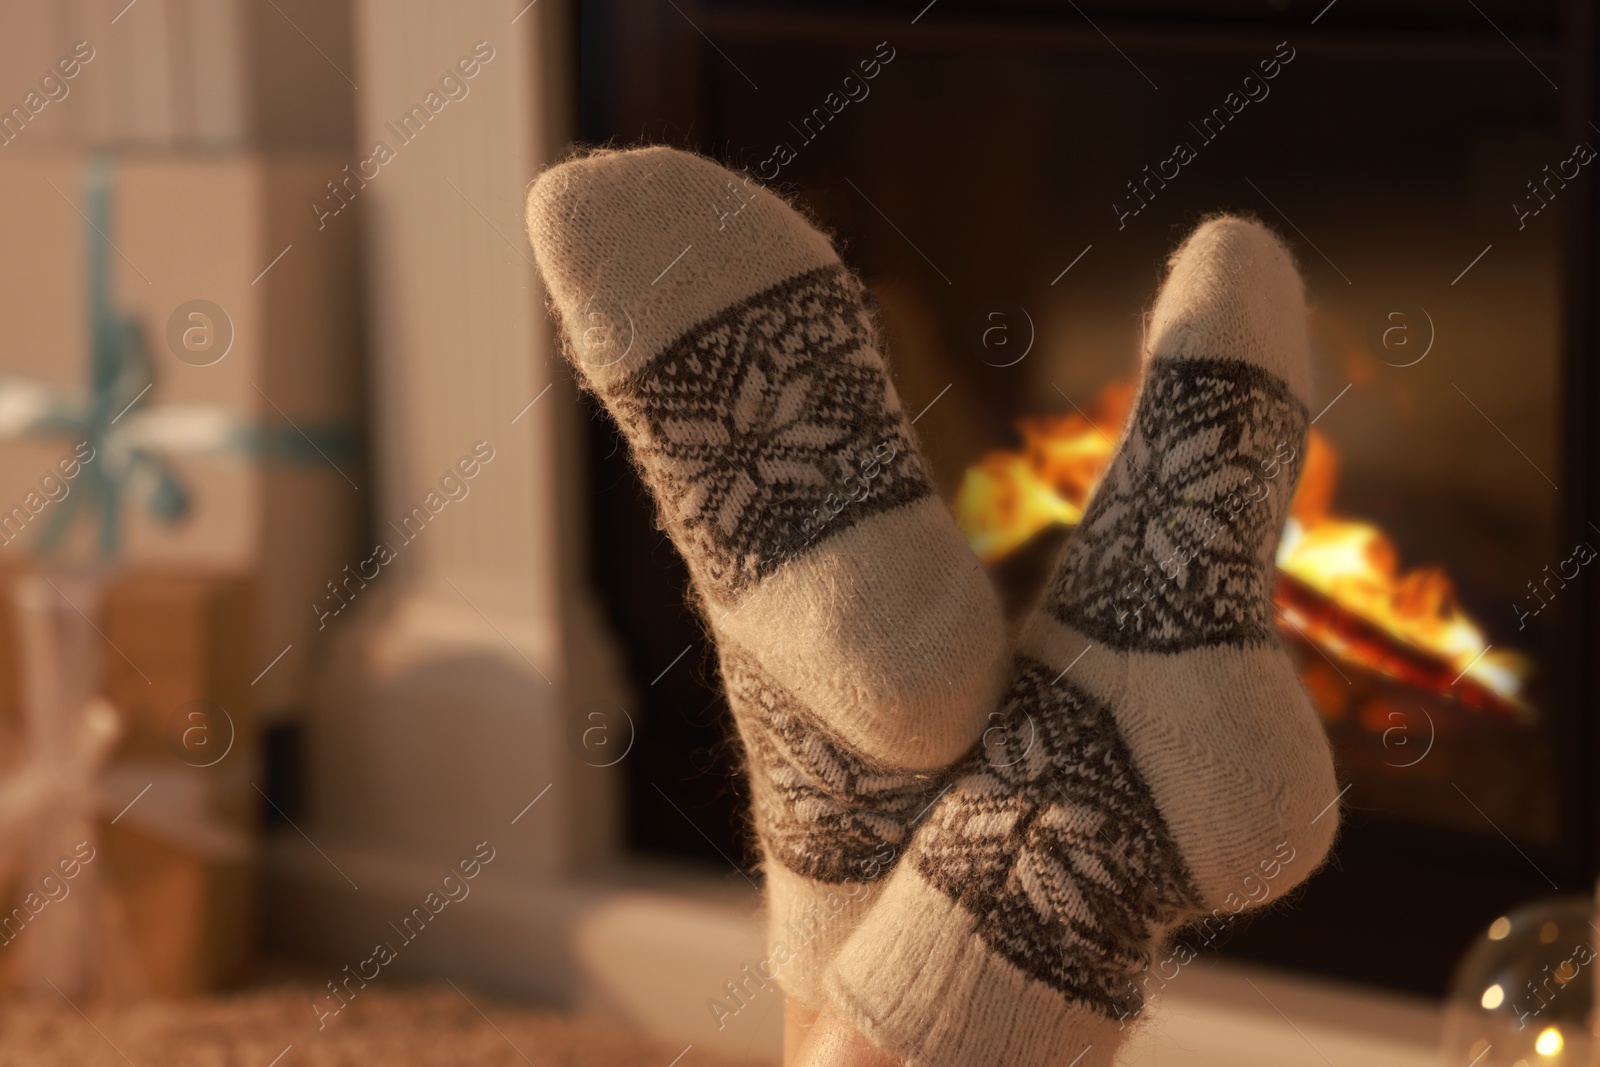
[[417, 1028]]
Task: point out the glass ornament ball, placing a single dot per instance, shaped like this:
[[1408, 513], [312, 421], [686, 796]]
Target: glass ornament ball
[[1523, 994]]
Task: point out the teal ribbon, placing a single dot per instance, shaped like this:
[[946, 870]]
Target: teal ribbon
[[119, 372]]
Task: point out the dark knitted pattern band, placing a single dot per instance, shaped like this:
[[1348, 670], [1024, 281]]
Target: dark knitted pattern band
[[766, 429], [1171, 553]]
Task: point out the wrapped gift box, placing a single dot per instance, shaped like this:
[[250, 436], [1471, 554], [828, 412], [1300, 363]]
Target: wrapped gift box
[[238, 232], [176, 869], [193, 610]]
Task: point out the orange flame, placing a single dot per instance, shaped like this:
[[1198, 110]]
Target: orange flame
[[1008, 497]]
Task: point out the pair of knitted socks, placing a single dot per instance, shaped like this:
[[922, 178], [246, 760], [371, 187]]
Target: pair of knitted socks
[[973, 851]]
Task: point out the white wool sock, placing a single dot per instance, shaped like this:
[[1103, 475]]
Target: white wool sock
[[861, 645], [1156, 759]]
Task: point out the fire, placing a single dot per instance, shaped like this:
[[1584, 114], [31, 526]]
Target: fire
[[1010, 496], [1340, 587]]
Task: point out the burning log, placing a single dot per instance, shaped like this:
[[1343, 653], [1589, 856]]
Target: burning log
[[1357, 643]]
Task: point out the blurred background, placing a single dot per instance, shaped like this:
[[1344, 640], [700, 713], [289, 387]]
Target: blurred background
[[322, 581]]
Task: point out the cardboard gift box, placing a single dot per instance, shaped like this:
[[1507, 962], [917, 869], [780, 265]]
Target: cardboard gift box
[[171, 838], [247, 314]]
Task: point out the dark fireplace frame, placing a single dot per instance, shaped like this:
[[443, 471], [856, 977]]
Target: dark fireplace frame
[[1400, 902]]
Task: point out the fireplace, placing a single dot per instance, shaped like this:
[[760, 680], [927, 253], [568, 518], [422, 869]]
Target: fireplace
[[1008, 180]]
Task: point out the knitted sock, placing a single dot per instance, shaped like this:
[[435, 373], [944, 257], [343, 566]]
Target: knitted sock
[[1155, 757], [861, 645]]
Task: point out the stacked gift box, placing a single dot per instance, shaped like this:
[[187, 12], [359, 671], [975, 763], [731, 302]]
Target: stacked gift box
[[178, 399]]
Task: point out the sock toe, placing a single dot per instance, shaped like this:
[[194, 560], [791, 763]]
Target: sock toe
[[1232, 292], [638, 246]]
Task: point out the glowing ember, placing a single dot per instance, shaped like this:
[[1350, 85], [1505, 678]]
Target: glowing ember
[[1340, 584]]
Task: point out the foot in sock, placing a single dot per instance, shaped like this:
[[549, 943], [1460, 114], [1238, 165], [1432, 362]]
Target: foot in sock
[[860, 643], [1155, 759]]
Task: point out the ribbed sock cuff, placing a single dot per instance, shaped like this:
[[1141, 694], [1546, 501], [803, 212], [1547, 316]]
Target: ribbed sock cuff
[[921, 984], [807, 923]]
